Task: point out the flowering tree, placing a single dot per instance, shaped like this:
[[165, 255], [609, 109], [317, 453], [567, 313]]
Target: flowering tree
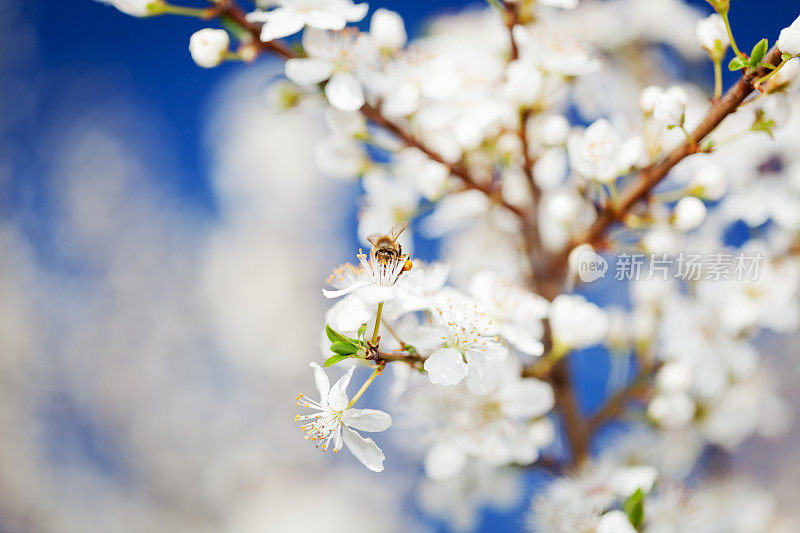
[[490, 131]]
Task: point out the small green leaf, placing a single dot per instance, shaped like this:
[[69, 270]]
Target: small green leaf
[[334, 335], [634, 508], [758, 53], [332, 360], [361, 331], [343, 348], [736, 64]]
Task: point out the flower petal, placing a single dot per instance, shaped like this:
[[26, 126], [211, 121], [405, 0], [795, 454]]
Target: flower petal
[[335, 294], [282, 22], [370, 420], [348, 314], [344, 91], [365, 450], [527, 398], [444, 461], [325, 20], [321, 380], [337, 397], [354, 13], [308, 70], [446, 366]]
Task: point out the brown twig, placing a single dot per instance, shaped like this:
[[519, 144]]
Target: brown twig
[[615, 405], [652, 175]]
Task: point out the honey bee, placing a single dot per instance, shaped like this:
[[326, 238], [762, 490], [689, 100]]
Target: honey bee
[[386, 249]]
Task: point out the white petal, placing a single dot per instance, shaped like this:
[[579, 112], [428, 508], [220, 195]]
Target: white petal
[[376, 294], [337, 397], [308, 70], [282, 22], [348, 314], [344, 91], [321, 380], [446, 366], [365, 450], [527, 398], [615, 522], [354, 13], [324, 20], [347, 290], [444, 461], [370, 420]]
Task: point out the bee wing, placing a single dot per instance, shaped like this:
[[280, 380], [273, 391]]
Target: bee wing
[[373, 239], [397, 230]]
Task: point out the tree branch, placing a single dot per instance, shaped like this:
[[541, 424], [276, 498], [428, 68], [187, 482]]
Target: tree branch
[[372, 113], [652, 175], [615, 405]]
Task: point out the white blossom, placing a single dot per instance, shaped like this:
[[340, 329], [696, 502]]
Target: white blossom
[[689, 213], [577, 323], [789, 39], [615, 522], [387, 30], [137, 8], [209, 46], [516, 314], [336, 422], [713, 36], [337, 57], [599, 153], [462, 346], [670, 108], [288, 17]]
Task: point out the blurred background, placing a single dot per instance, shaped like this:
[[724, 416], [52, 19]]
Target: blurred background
[[159, 307]]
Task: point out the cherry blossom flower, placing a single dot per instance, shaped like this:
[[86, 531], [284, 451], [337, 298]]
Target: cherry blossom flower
[[712, 36], [290, 16], [461, 345], [577, 323], [387, 29], [137, 8], [600, 154], [494, 427], [337, 57], [208, 47], [516, 314], [373, 282], [336, 422], [789, 39]]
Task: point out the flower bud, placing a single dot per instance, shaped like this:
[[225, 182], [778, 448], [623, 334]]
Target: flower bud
[[713, 36], [671, 107], [710, 182], [789, 39], [138, 8], [689, 214], [554, 130], [208, 47], [780, 81], [387, 30], [649, 98]]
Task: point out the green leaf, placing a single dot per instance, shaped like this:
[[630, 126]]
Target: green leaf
[[758, 53], [736, 64], [343, 348], [334, 335], [332, 360], [634, 508], [361, 331]]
